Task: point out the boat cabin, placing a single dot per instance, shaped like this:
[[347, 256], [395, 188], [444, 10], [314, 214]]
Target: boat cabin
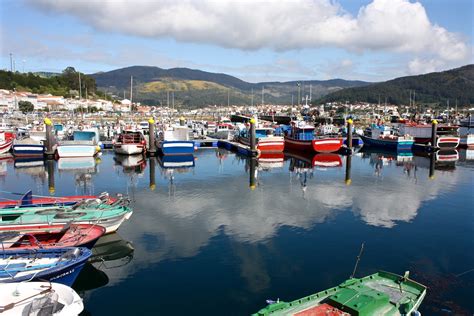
[[302, 133]]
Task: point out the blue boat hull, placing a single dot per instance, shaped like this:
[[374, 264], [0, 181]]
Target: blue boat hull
[[386, 144], [28, 150], [64, 272], [176, 147]]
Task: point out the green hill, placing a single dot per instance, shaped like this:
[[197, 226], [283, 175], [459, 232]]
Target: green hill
[[433, 88], [195, 88]]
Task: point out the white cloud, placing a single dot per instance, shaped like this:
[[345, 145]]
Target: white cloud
[[422, 66], [383, 25]]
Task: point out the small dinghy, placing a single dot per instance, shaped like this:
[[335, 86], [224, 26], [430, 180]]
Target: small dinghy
[[56, 265], [39, 298], [51, 236]]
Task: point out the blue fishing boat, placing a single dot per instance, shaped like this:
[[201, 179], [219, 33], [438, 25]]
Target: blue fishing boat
[[55, 265], [175, 141], [385, 137]]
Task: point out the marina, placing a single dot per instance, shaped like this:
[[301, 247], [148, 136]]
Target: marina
[[189, 228]]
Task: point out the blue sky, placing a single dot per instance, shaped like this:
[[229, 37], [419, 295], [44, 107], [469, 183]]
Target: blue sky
[[253, 40]]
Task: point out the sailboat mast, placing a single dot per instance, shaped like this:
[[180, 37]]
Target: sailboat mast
[[131, 89], [263, 93], [80, 87]]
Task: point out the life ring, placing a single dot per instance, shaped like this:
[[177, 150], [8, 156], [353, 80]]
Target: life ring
[[70, 215], [51, 211]]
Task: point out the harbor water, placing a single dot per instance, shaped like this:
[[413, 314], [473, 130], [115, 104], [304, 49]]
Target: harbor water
[[219, 234]]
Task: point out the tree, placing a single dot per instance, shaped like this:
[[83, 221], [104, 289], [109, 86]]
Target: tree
[[26, 106]]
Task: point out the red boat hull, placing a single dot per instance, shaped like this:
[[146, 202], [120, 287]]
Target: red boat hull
[[327, 160], [267, 144], [52, 200], [320, 145], [53, 236]]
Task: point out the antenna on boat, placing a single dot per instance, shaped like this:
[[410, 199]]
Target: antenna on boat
[[357, 261]]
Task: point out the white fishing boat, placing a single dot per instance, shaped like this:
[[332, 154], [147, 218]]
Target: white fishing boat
[[130, 143], [85, 143], [39, 298], [6, 141]]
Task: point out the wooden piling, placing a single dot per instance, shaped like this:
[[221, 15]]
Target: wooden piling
[[49, 139], [151, 138], [252, 173], [253, 138], [434, 129], [152, 173], [50, 171], [348, 179], [349, 134], [432, 165]]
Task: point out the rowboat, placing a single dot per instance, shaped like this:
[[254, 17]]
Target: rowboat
[[95, 212], [52, 236], [30, 200], [60, 265], [39, 298], [382, 293]]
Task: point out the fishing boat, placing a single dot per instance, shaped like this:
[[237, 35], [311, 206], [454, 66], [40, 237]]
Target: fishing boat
[[27, 147], [130, 143], [382, 293], [85, 143], [175, 140], [301, 137], [222, 131], [6, 141], [466, 132], [51, 236], [61, 265], [384, 137], [39, 298], [421, 133], [97, 212], [266, 140]]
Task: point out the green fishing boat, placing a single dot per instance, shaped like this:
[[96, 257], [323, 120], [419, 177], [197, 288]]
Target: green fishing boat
[[381, 294], [91, 211]]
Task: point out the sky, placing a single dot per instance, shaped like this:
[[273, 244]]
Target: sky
[[254, 40]]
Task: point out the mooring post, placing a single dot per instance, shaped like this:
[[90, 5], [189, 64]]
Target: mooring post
[[49, 138], [151, 138], [253, 138], [182, 121], [349, 134], [348, 179], [152, 173], [434, 128]]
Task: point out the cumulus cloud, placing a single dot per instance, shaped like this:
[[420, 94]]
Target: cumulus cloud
[[387, 25]]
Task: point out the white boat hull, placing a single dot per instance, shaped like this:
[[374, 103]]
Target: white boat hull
[[23, 294], [69, 151], [129, 149]]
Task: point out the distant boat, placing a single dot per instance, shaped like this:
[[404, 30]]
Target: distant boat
[[446, 134], [301, 137], [6, 141], [382, 293], [60, 265], [466, 132], [27, 147], [174, 140], [386, 138], [39, 298], [130, 143]]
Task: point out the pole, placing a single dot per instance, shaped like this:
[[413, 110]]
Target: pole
[[11, 62], [349, 134], [253, 140], [151, 138], [80, 87], [433, 134], [432, 166], [49, 138]]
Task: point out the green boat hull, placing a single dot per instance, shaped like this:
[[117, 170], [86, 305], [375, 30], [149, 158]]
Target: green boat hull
[[382, 293]]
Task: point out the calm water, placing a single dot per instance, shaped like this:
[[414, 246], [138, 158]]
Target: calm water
[[202, 241]]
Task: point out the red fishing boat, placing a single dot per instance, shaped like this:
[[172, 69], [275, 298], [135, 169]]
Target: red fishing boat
[[50, 236], [266, 140], [301, 137], [28, 199]]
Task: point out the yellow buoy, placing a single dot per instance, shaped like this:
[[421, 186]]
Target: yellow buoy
[[151, 121], [52, 190], [47, 121], [349, 121], [252, 120]]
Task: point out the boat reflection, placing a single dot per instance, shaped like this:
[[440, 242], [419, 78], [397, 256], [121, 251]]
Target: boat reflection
[[171, 164], [131, 163], [111, 251], [90, 278], [268, 161], [83, 164], [380, 159]]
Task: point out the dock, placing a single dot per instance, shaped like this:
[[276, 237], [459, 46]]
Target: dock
[[236, 147], [207, 142]]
